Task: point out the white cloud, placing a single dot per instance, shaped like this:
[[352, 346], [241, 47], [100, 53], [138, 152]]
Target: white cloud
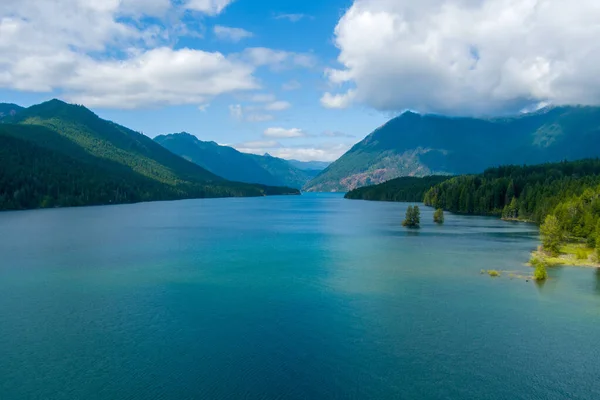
[[338, 100], [278, 106], [291, 17], [284, 133], [291, 85], [210, 7], [467, 56], [231, 34], [312, 153], [308, 152], [99, 53], [203, 107], [160, 76]]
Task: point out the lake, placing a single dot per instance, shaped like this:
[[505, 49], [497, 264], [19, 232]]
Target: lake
[[302, 297]]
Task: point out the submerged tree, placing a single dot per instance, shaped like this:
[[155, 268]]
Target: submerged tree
[[540, 273], [413, 217], [552, 235], [438, 216]]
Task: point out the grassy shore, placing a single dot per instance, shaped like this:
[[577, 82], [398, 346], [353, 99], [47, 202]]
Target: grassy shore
[[570, 254]]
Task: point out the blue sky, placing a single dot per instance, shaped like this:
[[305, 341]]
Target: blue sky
[[301, 27], [298, 79]]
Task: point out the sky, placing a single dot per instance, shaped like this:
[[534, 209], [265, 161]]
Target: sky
[[298, 79]]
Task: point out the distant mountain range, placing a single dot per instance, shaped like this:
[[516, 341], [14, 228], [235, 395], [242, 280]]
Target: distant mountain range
[[422, 145], [58, 154], [231, 164], [310, 165]]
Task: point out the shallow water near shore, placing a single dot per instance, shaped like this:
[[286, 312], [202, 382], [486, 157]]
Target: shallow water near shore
[[301, 297]]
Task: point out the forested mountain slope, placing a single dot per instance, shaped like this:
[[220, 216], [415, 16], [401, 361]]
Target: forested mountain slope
[[57, 154], [231, 164], [421, 145]]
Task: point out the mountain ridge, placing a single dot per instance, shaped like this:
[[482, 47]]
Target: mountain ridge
[[59, 154], [232, 164], [421, 145]]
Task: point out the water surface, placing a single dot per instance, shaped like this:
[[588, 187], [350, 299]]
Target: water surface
[[311, 297]]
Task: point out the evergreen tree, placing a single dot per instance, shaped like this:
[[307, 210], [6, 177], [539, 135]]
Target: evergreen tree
[[413, 217], [438, 216], [552, 235]]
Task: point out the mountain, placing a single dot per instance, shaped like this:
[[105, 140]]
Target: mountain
[[220, 160], [284, 171], [57, 154], [310, 165], [421, 145], [231, 164], [9, 110]]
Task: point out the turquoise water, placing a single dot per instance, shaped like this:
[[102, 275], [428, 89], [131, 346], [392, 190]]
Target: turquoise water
[[311, 297]]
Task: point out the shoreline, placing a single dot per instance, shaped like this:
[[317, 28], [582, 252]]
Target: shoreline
[[565, 258]]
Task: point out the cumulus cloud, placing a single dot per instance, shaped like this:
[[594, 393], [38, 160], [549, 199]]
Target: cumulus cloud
[[284, 133], [210, 7], [117, 53], [338, 100], [231, 34], [466, 56]]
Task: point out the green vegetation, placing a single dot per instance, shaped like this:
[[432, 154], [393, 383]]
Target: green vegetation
[[422, 145], [55, 154], [552, 235], [413, 217], [408, 189], [438, 216], [563, 197], [540, 273], [537, 190]]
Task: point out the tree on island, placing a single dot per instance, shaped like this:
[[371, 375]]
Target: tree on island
[[552, 235], [413, 217], [438, 216]]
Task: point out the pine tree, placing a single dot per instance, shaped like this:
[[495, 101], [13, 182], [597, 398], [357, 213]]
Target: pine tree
[[413, 217]]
